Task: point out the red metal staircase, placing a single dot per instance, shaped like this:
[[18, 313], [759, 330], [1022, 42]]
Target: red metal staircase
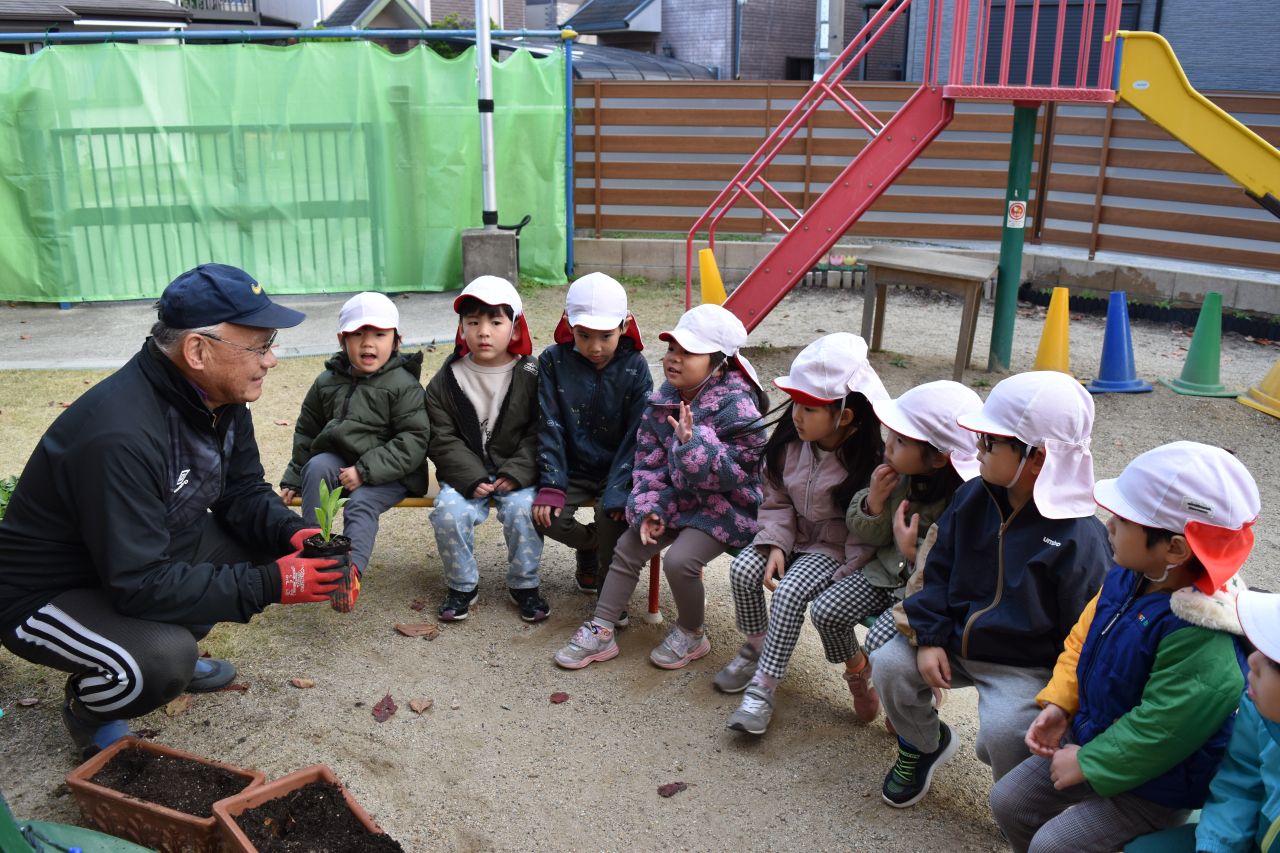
[[893, 144]]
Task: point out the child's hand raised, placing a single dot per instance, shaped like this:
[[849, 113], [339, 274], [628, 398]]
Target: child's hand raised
[[774, 567], [651, 529], [906, 535], [1045, 735], [684, 426], [883, 481]]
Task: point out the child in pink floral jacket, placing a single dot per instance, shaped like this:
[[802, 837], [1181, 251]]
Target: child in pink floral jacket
[[696, 484]]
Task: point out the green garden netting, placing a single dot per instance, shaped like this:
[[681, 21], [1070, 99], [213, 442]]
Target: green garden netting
[[320, 167]]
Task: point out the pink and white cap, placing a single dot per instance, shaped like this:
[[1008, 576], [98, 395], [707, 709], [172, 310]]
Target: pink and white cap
[[1052, 411], [928, 413], [496, 291], [711, 328], [368, 309], [828, 369], [1198, 490], [1259, 614]]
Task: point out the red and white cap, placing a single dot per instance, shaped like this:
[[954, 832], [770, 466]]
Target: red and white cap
[[1259, 614], [711, 328], [1198, 490], [928, 413], [829, 369], [368, 309], [496, 291], [1052, 411], [597, 302]]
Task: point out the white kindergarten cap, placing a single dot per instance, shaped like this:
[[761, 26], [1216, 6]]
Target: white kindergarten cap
[[928, 413], [596, 301], [491, 290], [828, 369], [368, 309], [711, 328], [1052, 411], [1198, 490], [1259, 614]]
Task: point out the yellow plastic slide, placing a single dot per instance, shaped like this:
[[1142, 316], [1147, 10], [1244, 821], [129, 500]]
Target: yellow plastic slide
[[1153, 83]]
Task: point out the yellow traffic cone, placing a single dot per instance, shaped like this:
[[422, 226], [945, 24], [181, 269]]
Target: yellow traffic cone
[[1055, 340], [709, 275], [1265, 396]]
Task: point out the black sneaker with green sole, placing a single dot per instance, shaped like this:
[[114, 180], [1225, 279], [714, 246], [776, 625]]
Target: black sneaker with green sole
[[908, 781]]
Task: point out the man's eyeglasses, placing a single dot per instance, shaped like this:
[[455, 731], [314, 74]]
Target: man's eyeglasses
[[260, 351], [988, 443]]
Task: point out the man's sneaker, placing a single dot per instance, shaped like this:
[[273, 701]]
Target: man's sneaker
[[866, 702], [908, 781], [587, 576], [737, 673], [590, 643], [754, 713], [679, 649], [91, 738], [457, 604], [211, 674], [533, 607]]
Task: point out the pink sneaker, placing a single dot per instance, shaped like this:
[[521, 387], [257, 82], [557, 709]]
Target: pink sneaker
[[590, 643], [866, 702], [679, 649]]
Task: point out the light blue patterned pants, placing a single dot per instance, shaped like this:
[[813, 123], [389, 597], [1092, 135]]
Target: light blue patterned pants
[[454, 520]]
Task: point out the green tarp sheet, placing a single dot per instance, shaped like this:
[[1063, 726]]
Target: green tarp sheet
[[320, 167]]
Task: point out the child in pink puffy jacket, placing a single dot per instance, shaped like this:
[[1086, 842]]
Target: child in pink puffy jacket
[[696, 484]]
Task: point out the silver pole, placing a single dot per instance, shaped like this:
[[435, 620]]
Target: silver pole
[[484, 76]]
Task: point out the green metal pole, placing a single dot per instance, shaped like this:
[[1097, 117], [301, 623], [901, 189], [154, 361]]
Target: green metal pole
[[1021, 150]]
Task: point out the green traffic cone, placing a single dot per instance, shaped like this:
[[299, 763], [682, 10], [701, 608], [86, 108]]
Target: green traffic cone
[[1200, 372]]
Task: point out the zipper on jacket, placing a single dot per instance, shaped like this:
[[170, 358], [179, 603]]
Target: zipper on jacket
[[813, 472], [1120, 611], [1004, 525], [346, 404]]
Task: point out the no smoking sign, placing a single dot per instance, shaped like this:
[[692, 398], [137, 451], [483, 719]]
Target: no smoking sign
[[1017, 217]]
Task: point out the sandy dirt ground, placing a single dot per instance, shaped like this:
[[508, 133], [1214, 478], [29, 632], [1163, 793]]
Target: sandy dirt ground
[[494, 764]]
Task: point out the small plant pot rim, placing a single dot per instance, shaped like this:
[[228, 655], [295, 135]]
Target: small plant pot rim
[[226, 811], [314, 546], [143, 821]]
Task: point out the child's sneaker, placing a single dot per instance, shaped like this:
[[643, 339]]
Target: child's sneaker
[[457, 604], [737, 673], [908, 780], [590, 643], [754, 713], [533, 607], [866, 702], [587, 577], [679, 649]]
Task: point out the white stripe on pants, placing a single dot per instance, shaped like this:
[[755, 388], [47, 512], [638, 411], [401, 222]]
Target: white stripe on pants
[[806, 576], [1035, 816]]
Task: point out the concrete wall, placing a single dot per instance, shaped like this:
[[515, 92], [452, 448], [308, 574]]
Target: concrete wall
[[701, 33], [513, 10]]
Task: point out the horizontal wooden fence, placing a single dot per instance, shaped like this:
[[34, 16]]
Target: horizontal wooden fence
[[653, 156]]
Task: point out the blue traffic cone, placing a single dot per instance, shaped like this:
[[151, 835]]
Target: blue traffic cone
[[1116, 374]]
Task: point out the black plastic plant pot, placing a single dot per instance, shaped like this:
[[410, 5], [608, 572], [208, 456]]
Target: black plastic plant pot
[[315, 547], [336, 548]]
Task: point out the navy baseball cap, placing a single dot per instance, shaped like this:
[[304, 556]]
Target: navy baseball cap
[[216, 293]]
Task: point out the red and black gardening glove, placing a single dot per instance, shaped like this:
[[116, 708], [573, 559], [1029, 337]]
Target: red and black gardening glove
[[296, 540], [304, 579], [344, 596]]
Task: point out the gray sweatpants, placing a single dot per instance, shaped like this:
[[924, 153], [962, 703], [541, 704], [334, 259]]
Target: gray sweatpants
[[1034, 816], [363, 507], [690, 551], [1006, 702]]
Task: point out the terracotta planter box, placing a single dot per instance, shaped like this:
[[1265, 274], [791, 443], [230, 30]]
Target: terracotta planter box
[[143, 822], [226, 811]]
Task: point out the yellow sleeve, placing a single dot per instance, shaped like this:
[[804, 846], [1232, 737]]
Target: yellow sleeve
[[1063, 689]]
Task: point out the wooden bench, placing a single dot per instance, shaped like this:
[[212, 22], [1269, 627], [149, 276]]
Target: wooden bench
[[654, 614], [910, 267]]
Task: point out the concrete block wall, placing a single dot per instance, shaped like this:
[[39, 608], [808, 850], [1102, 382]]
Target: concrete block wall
[[701, 33]]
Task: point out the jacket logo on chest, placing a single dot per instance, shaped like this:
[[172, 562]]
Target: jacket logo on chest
[[1143, 620], [1054, 542], [182, 480]]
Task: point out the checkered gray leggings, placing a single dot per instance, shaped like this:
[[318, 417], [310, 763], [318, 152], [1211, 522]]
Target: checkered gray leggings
[[842, 607], [807, 575]]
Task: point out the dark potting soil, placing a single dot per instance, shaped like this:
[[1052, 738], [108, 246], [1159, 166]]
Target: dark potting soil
[[180, 784], [311, 819]]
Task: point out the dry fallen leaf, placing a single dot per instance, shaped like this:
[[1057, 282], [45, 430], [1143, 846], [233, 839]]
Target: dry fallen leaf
[[385, 708], [179, 705], [147, 734], [281, 422], [302, 683], [418, 604], [66, 404], [419, 629], [671, 789], [421, 706], [238, 687], [24, 337], [558, 698], [28, 701]]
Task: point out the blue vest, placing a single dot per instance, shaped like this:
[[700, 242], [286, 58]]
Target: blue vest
[[1115, 664]]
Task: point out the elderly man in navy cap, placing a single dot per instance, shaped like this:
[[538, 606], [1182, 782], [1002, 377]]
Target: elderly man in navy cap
[[143, 517]]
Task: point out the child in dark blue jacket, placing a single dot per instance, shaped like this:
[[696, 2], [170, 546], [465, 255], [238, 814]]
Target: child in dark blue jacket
[[593, 385], [1018, 555]]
